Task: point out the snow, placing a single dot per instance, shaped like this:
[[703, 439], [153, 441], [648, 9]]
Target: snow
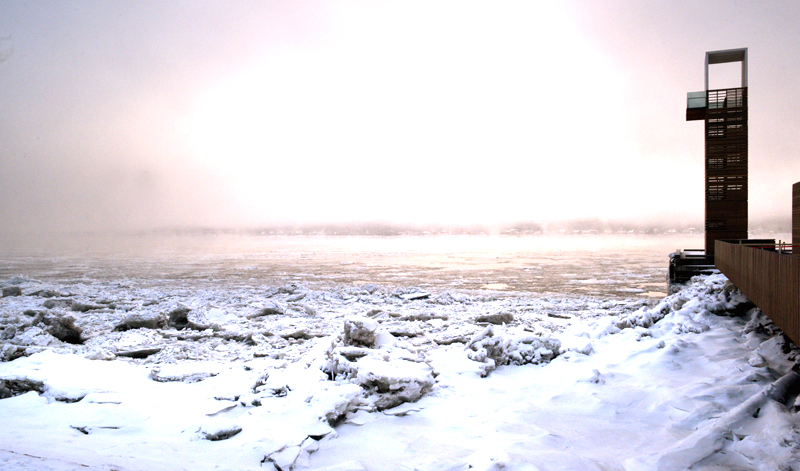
[[175, 375]]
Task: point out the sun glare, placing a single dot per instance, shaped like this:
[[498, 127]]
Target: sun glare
[[394, 121]]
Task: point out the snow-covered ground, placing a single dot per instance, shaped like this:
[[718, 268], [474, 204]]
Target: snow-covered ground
[[125, 375]]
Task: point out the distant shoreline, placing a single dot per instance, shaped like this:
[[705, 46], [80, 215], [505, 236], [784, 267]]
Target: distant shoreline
[[399, 230]]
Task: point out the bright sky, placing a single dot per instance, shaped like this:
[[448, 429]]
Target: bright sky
[[134, 115]]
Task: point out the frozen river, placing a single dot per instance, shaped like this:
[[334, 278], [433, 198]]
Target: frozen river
[[371, 353], [615, 266]]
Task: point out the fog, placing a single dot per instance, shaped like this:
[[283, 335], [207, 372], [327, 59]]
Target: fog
[[118, 116]]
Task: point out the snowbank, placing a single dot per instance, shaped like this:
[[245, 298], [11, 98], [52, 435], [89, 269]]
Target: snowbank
[[372, 377]]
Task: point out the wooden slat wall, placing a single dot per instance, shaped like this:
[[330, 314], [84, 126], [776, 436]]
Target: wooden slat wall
[[796, 215], [769, 279], [726, 130]]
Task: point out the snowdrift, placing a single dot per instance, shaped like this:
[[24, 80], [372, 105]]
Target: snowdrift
[[114, 375]]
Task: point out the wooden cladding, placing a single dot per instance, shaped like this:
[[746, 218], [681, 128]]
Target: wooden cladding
[[769, 279], [796, 214], [695, 114], [726, 188]]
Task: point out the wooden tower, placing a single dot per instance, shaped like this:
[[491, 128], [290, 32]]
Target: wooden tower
[[725, 114]]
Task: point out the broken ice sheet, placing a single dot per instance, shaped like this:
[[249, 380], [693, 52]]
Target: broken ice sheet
[[634, 379]]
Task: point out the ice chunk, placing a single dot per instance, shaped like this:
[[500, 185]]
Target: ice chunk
[[11, 291], [497, 318], [219, 429], [415, 296], [145, 319], [498, 350], [395, 382], [372, 358], [10, 387], [63, 328], [360, 331], [191, 372], [178, 317], [271, 308]]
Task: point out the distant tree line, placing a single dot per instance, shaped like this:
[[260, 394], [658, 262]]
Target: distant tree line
[[524, 228]]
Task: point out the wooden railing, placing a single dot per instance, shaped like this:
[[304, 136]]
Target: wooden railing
[[768, 277], [727, 98]]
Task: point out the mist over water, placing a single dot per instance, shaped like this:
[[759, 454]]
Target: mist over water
[[610, 266]]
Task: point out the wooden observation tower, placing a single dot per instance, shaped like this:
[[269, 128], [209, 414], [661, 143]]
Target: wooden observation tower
[[725, 114]]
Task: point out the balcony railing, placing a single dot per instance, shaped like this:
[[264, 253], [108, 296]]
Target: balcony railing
[[695, 100], [727, 98]]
